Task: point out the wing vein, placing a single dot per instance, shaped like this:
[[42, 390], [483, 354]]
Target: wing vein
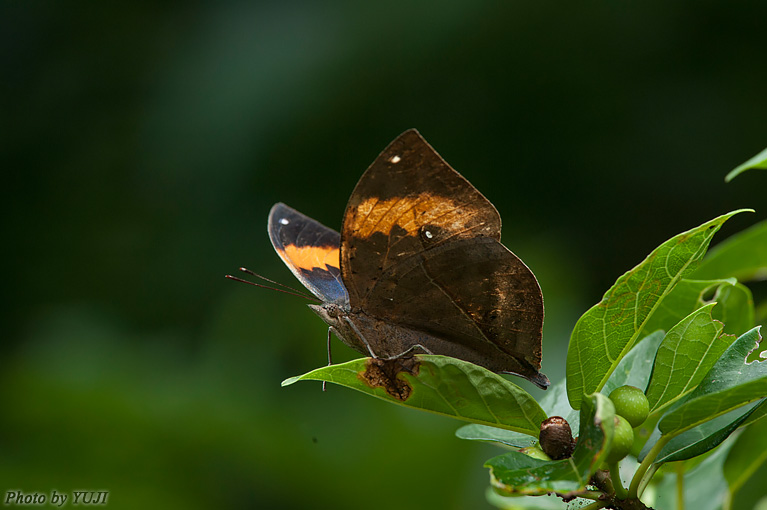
[[452, 301]]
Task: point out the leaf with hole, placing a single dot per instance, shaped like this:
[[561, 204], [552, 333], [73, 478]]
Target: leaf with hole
[[735, 310], [608, 331], [441, 385], [729, 384]]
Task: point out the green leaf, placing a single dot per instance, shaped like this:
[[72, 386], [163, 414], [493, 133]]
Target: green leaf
[[751, 494], [525, 502], [441, 385], [554, 403], [758, 414], [476, 432], [746, 456], [735, 310], [515, 473], [742, 256], [608, 331], [635, 367], [704, 486], [758, 161], [705, 437], [729, 384], [684, 357]]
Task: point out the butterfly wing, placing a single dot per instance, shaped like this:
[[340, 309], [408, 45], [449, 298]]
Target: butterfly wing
[[476, 295], [311, 251], [407, 196], [421, 248]]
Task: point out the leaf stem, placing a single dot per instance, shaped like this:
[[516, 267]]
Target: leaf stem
[[680, 486], [615, 476], [595, 495], [595, 505], [648, 461], [648, 478]]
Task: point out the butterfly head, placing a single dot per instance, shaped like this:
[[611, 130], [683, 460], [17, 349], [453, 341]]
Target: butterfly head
[[330, 312], [341, 319]]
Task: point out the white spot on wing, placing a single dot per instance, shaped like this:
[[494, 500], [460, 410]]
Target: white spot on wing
[[284, 221], [428, 234], [395, 159]]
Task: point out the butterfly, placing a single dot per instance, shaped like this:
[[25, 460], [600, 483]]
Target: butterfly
[[418, 267]]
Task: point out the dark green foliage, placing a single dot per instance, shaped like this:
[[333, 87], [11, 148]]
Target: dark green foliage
[[144, 143], [692, 384]]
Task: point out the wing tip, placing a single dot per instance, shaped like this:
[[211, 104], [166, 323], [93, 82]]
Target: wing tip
[[540, 380], [537, 378]]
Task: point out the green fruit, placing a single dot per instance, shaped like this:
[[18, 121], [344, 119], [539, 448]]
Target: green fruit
[[623, 439], [631, 403]]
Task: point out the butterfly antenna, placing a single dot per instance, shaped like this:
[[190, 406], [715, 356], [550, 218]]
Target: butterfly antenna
[[251, 273], [292, 292]]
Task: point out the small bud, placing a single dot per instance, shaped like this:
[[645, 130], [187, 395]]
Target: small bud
[[535, 452], [556, 438]]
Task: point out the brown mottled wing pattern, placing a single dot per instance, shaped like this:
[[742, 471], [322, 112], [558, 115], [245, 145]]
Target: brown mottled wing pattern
[[474, 293], [407, 195], [420, 248]]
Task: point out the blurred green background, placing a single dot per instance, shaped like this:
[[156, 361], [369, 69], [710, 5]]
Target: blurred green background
[[143, 145]]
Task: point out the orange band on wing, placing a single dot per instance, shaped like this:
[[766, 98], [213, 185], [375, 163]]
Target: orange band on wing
[[408, 213], [308, 257]]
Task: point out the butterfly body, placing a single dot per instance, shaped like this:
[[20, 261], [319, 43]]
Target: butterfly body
[[418, 267], [355, 327]]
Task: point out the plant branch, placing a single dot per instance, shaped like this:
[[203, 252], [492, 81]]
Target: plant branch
[[595, 495], [648, 478], [648, 461], [603, 480], [595, 505], [615, 476]]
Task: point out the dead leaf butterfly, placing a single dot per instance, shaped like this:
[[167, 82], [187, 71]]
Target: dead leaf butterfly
[[418, 267]]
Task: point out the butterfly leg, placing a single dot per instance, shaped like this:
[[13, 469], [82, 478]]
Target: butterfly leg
[[409, 352], [361, 337], [330, 356]]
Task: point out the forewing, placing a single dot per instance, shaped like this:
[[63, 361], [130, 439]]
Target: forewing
[[407, 196], [311, 251]]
